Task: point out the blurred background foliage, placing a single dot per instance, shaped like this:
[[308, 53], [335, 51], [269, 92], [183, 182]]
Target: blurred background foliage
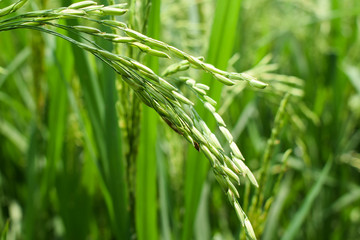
[[81, 158]]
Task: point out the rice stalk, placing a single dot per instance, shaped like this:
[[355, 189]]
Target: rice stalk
[[156, 91]]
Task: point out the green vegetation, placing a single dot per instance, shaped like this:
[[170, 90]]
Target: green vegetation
[[125, 119]]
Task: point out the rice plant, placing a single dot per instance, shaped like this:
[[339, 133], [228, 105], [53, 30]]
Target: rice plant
[[111, 119]]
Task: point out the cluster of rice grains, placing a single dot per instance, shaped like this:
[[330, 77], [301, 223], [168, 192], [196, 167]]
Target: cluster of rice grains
[[154, 89]]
